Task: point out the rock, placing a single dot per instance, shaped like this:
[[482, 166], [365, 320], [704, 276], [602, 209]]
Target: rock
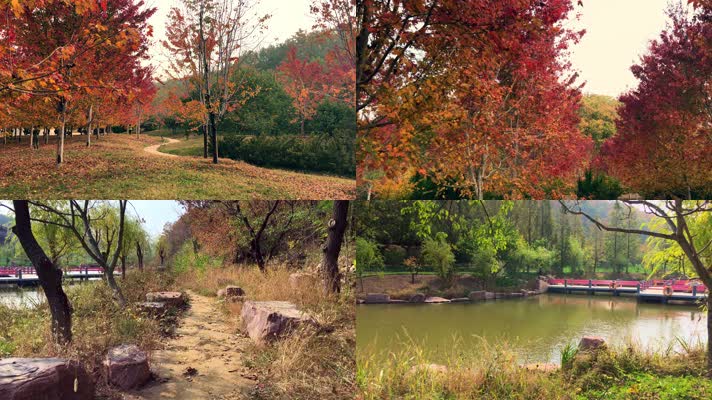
[[417, 298], [377, 298], [301, 279], [592, 343], [543, 286], [436, 300], [460, 300], [126, 367], [234, 291], [489, 296], [269, 320], [152, 308], [44, 378], [171, 299], [515, 295], [396, 301], [478, 295]]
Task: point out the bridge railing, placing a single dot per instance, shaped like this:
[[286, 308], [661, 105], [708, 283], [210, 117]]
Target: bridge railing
[[681, 285]]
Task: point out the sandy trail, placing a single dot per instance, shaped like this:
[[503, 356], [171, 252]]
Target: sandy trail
[[206, 343], [154, 149]]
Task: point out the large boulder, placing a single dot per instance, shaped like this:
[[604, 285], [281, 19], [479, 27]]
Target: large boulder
[[478, 295], [152, 308], [126, 367], [417, 298], [435, 300], [591, 343], [377, 298], [44, 378], [542, 285], [269, 320], [171, 299]]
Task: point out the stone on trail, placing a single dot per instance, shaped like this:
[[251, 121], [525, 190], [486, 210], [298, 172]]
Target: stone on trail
[[269, 320], [44, 378], [126, 367], [592, 343], [377, 298], [417, 298], [172, 299], [152, 308], [435, 300]]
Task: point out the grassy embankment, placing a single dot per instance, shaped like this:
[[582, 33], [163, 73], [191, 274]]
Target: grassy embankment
[[312, 363], [493, 374], [116, 166], [98, 324]]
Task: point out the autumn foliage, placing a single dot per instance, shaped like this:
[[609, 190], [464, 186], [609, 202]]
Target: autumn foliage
[[475, 94], [69, 65], [664, 141]]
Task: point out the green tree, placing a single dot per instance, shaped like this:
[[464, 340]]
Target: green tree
[[368, 258], [438, 254]]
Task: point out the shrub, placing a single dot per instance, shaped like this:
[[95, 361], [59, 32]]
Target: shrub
[[329, 154], [437, 254], [393, 255]]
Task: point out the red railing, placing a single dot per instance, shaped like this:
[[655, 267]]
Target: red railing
[[682, 285]]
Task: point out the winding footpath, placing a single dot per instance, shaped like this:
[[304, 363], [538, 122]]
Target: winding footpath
[[203, 361], [154, 149]]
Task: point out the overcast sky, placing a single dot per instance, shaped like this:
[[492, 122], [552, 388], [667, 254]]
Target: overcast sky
[[288, 17], [618, 33]]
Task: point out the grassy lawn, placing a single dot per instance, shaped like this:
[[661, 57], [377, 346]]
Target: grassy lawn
[[192, 147], [117, 167]]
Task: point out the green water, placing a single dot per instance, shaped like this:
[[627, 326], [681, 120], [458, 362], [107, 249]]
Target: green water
[[535, 328]]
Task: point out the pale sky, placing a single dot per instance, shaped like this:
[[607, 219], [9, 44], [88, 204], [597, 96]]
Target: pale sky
[[155, 213], [288, 17], [618, 33]]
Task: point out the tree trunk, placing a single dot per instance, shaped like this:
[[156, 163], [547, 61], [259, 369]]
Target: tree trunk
[[139, 256], [91, 109], [205, 141], [60, 142], [709, 336], [330, 262], [118, 296], [49, 276], [214, 137], [123, 267]]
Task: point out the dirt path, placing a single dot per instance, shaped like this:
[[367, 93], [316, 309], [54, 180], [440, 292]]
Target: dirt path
[[203, 342], [154, 149]]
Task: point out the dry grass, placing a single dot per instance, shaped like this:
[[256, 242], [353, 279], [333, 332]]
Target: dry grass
[[311, 363], [98, 324], [116, 167]]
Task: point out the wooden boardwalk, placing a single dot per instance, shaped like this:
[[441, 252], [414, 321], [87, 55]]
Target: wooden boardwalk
[[657, 290]]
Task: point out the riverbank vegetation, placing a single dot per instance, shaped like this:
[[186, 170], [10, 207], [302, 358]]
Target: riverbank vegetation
[[502, 113], [494, 373], [494, 244]]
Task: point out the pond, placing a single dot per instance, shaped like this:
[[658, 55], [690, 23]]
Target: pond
[[21, 298], [534, 328]]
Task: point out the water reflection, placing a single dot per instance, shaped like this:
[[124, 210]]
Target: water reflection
[[17, 298], [535, 328]]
